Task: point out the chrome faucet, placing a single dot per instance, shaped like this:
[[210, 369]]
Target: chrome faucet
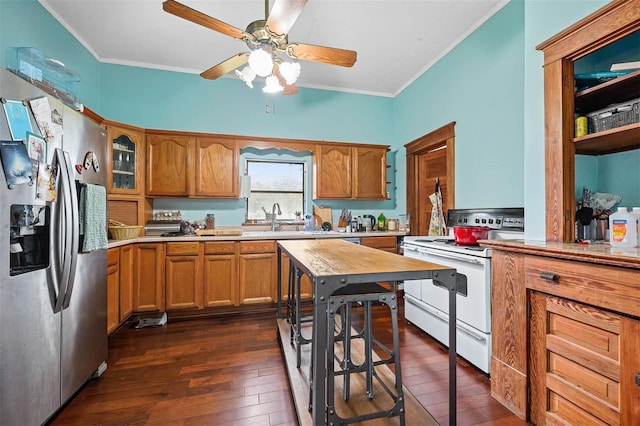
[[273, 216]]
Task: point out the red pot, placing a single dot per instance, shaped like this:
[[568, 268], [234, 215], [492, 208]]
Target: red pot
[[469, 235]]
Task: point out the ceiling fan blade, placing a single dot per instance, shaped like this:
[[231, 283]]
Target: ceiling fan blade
[[225, 66], [283, 15], [200, 18], [327, 55]]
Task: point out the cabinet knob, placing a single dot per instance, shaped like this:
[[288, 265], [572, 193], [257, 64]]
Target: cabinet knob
[[550, 276], [637, 379]]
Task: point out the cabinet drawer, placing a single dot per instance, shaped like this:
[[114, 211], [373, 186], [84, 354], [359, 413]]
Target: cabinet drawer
[[257, 247], [223, 247], [388, 242], [608, 287], [113, 256], [183, 249]]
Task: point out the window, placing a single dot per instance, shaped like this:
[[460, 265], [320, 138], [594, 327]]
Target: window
[[272, 182]]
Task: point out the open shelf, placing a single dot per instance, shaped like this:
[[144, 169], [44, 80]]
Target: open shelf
[[620, 89], [620, 139]]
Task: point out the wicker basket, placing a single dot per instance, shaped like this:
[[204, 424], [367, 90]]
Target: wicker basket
[[120, 231]]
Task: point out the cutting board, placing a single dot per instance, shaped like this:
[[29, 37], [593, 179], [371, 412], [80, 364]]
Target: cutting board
[[324, 213], [211, 232]]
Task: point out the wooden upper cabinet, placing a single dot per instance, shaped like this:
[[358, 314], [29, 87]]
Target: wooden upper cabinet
[[610, 23], [348, 172], [370, 172], [332, 166], [216, 168], [169, 165], [126, 159]]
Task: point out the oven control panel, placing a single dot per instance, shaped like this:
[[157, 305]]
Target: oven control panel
[[508, 218]]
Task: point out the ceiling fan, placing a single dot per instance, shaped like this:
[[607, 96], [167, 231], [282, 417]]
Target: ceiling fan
[[267, 40]]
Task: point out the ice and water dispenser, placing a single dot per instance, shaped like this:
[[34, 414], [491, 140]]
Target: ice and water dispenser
[[29, 238]]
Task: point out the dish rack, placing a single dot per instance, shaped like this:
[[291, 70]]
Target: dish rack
[[120, 231]]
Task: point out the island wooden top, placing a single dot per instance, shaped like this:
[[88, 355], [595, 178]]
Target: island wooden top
[[334, 257], [599, 253]]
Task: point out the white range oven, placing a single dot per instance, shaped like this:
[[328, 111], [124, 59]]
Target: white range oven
[[427, 305]]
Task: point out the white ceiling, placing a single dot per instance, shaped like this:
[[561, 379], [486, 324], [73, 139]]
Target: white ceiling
[[396, 40]]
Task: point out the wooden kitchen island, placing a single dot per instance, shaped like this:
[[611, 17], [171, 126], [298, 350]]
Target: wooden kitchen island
[[332, 264]]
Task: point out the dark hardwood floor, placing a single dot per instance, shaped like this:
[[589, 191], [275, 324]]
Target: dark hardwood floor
[[230, 371]]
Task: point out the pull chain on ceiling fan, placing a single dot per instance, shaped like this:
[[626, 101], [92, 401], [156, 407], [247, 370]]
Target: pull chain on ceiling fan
[[267, 40]]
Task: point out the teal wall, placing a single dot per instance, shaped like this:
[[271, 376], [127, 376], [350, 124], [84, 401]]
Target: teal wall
[[491, 84], [479, 85]]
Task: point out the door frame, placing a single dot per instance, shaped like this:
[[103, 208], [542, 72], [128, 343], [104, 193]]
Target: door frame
[[444, 137]]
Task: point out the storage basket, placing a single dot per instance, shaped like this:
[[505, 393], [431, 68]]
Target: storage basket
[[613, 116], [120, 231]]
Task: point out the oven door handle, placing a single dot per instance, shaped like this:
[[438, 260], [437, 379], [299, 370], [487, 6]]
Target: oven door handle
[[450, 255]]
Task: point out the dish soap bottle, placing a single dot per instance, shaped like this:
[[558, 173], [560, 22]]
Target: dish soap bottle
[[382, 222], [622, 229]]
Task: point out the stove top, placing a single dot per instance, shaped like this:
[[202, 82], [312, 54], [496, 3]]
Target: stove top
[[505, 223]]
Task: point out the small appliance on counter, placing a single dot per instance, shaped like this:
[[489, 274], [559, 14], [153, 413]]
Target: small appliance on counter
[[167, 228]]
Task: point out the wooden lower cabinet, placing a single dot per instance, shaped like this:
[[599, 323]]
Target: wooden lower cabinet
[[126, 283], [221, 274], [183, 275], [584, 364], [565, 339], [113, 289], [386, 243], [148, 281], [257, 272]]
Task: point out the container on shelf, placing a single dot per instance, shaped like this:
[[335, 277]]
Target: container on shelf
[[47, 73], [623, 228]]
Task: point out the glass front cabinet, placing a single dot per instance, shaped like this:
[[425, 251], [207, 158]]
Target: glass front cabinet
[[126, 149]]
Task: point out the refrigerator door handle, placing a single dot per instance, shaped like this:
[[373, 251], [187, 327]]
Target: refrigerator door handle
[[66, 216], [73, 224]]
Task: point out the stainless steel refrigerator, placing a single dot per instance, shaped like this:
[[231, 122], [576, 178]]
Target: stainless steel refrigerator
[[53, 297]]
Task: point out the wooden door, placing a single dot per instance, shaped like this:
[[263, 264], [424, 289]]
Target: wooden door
[[370, 173], [126, 282], [216, 168], [221, 274], [257, 272], [584, 362], [169, 165], [428, 157], [113, 286], [126, 159], [333, 173], [183, 282], [148, 281]]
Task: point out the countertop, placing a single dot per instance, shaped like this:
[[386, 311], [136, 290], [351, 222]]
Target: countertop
[[600, 253], [257, 235]]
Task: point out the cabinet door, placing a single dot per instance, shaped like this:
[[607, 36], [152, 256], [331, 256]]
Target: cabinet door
[[148, 281], [126, 282], [333, 174], [169, 165], [216, 169], [184, 282], [126, 159], [257, 272], [583, 364], [220, 274], [113, 285], [370, 173]]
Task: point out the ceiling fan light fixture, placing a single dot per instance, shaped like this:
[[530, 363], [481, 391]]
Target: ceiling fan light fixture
[[247, 75], [290, 71], [261, 62], [272, 85]]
